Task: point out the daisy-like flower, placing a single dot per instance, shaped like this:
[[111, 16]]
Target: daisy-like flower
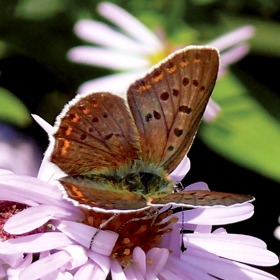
[[50, 238], [134, 49]]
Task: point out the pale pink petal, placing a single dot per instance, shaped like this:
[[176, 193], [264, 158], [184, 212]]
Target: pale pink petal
[[103, 242], [103, 262], [241, 248], [34, 217], [13, 272], [234, 54], [90, 271], [11, 259], [217, 215], [198, 262], [158, 257], [211, 112], [197, 186], [130, 25], [94, 31], [181, 170], [234, 37], [107, 58], [116, 83], [45, 125], [117, 272], [45, 266], [35, 243], [48, 171], [277, 232], [139, 258]]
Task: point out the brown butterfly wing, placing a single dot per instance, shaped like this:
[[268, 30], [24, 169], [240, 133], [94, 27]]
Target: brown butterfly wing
[[94, 134], [168, 103], [90, 194], [200, 198]]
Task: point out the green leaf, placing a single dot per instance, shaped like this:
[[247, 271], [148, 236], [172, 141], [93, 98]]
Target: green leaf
[[244, 132], [12, 110]]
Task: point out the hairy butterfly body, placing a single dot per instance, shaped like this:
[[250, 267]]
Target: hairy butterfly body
[[118, 153]]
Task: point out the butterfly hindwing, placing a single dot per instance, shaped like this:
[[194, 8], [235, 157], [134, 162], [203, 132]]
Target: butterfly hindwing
[[91, 193], [95, 133], [168, 103], [201, 198]]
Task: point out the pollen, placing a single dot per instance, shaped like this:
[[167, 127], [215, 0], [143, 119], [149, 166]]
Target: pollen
[[143, 228]]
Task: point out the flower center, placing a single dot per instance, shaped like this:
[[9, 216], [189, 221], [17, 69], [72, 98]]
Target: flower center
[[9, 209], [143, 229]]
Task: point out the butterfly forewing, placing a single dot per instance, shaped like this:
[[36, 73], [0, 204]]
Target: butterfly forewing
[[168, 103], [95, 133]]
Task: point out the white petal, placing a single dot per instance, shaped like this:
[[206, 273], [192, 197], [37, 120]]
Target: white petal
[[158, 257], [102, 243], [33, 217], [139, 258], [241, 248], [44, 266], [45, 125], [104, 262], [234, 37], [116, 83], [277, 232], [181, 170], [217, 215], [129, 24], [211, 111], [78, 256], [100, 33], [233, 54], [117, 272], [107, 58], [197, 186], [35, 243]]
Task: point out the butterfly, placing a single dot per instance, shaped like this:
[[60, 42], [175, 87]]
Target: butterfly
[[118, 153]]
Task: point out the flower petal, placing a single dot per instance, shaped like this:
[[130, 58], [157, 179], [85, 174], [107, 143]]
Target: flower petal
[[36, 216], [116, 271], [241, 248], [107, 58], [35, 243], [181, 170], [45, 125], [234, 37], [234, 54], [116, 83], [216, 215], [94, 31], [130, 25], [45, 266], [103, 242]]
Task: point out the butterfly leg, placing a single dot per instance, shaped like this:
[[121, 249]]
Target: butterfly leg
[[102, 226]]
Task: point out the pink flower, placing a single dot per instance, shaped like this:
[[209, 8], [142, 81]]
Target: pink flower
[[134, 49], [61, 249]]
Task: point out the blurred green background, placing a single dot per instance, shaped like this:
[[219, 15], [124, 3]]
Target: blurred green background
[[239, 152]]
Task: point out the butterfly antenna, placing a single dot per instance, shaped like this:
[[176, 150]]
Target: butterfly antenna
[[183, 248], [102, 226], [154, 215]]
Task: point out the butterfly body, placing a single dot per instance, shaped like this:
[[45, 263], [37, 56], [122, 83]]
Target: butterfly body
[[118, 153]]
